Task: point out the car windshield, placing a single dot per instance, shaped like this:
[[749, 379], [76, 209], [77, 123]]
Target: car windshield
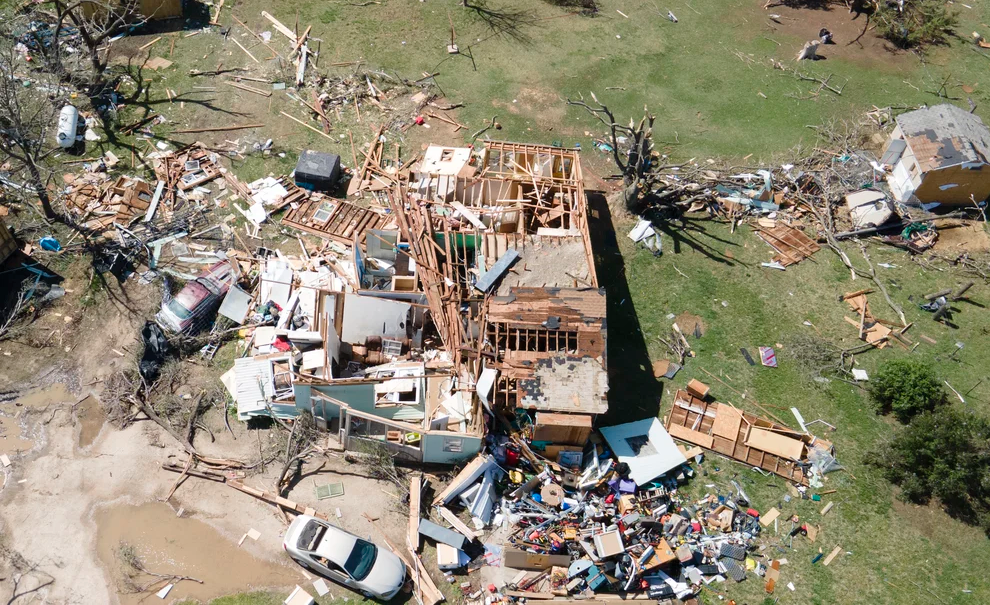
[[178, 310], [361, 559]]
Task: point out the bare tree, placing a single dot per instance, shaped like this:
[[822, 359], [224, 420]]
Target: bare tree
[[96, 22], [636, 163], [29, 106], [17, 310]]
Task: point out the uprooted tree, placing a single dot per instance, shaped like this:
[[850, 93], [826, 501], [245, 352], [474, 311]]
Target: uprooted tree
[[633, 155], [646, 181]]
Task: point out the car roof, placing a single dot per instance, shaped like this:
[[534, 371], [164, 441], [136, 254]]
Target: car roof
[[336, 544], [192, 294], [220, 271]]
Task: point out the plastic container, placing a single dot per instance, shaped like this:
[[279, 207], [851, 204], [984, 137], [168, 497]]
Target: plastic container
[[68, 123]]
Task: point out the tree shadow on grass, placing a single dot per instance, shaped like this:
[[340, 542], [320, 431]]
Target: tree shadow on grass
[[633, 393], [694, 235], [503, 21]]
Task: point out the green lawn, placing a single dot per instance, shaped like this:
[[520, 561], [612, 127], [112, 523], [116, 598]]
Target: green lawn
[[708, 78], [893, 546], [690, 73]]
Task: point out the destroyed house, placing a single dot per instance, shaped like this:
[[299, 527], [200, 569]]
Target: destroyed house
[[501, 236], [939, 154], [362, 384], [757, 442], [483, 297]]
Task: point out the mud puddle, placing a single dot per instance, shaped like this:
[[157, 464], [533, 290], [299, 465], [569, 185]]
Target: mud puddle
[[162, 543], [91, 419], [11, 441], [46, 397], [12, 436]]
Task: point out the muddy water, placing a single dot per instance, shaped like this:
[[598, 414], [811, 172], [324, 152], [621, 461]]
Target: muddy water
[[12, 440], [168, 544], [91, 419], [48, 396]]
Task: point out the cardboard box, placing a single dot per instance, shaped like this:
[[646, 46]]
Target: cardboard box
[[521, 559], [698, 388]]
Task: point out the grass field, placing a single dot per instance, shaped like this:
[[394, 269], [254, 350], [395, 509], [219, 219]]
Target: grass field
[[708, 77], [709, 80], [899, 552]]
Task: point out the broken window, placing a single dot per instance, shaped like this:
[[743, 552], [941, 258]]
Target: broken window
[[447, 155], [323, 214], [640, 444]]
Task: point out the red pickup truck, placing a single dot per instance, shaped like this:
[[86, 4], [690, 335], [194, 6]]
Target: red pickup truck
[[196, 304]]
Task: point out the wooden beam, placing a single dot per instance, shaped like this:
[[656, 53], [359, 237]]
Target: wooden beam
[[246, 51], [150, 43], [317, 131], [302, 40], [285, 31], [457, 524], [415, 485], [256, 91]]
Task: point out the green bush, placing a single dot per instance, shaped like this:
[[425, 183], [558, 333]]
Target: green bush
[[907, 388], [943, 455], [920, 24]]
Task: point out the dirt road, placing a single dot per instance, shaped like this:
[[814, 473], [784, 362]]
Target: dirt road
[[81, 499]]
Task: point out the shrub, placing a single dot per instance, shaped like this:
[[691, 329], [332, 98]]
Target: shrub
[[943, 455], [919, 24], [906, 388], [813, 354], [586, 7]]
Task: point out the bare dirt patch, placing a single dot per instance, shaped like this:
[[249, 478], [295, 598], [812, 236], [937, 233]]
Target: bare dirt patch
[[543, 104], [688, 323], [956, 237], [166, 544], [803, 23]]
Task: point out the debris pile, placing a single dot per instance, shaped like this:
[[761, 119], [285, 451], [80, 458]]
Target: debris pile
[[616, 516]]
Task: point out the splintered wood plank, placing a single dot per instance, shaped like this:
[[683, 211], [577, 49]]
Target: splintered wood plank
[[775, 443], [832, 555], [415, 484], [691, 436]]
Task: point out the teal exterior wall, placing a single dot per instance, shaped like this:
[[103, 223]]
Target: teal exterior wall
[[433, 445], [361, 397]]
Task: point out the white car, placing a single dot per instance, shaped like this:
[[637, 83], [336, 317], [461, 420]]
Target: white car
[[344, 558]]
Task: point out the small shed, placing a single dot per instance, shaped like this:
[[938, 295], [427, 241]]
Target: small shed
[[939, 154]]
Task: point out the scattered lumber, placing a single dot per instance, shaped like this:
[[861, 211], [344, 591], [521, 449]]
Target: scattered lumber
[[218, 128], [297, 120]]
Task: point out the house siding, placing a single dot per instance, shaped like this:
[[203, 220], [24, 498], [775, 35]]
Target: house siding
[[973, 182]]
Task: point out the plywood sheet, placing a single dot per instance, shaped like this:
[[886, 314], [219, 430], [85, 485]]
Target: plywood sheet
[[695, 437], [727, 422], [646, 447], [776, 444]]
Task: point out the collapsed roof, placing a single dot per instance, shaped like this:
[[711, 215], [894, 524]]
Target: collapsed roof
[[945, 135]]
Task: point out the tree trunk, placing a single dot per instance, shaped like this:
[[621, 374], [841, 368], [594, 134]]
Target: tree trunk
[[38, 184], [98, 67]]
